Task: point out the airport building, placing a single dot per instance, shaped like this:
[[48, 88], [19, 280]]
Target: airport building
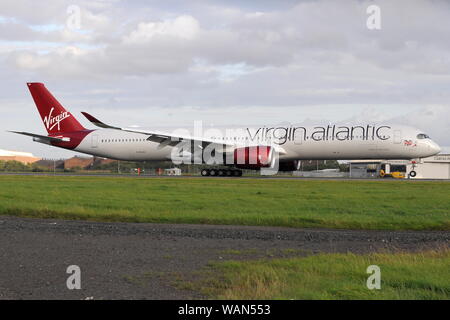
[[24, 157], [84, 162], [78, 162], [435, 167]]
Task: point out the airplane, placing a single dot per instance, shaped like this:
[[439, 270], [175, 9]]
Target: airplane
[[277, 148]]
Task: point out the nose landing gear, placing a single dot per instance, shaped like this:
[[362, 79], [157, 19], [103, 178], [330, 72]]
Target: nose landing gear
[[413, 172]]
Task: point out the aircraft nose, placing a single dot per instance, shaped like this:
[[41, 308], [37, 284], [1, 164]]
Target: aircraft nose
[[434, 147]]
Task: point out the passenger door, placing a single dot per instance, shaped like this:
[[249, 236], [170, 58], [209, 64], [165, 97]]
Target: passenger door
[[397, 136], [94, 140]]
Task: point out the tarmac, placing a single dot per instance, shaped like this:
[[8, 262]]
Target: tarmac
[[149, 261]]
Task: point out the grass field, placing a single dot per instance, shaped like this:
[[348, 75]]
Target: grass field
[[386, 205], [331, 276]]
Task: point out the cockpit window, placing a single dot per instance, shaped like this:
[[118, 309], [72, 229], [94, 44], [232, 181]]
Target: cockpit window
[[422, 136]]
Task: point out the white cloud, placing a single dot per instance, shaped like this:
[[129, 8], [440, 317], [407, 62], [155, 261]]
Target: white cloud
[[183, 27]]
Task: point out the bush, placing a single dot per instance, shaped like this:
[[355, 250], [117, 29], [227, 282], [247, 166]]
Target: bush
[[14, 166]]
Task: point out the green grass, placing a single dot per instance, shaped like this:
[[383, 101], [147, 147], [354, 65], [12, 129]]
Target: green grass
[[391, 205], [331, 276]]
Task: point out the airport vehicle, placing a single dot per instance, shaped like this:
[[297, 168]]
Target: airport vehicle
[[394, 171], [279, 147], [394, 174]]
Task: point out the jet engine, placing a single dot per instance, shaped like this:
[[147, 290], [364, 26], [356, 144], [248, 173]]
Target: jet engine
[[254, 157]]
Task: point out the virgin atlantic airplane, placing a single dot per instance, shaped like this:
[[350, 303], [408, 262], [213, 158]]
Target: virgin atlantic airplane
[[278, 147]]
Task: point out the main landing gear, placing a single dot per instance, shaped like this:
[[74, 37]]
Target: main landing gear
[[221, 173]]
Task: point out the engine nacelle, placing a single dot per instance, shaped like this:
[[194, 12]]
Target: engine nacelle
[[289, 166], [255, 157]]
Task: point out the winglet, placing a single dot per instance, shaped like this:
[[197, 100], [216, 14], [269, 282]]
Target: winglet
[[97, 122]]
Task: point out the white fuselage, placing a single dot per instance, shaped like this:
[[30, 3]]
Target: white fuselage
[[293, 142]]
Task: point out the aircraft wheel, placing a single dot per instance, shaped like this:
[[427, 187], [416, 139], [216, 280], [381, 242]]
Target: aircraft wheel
[[228, 173], [237, 173], [220, 173], [205, 172], [213, 172], [412, 174]]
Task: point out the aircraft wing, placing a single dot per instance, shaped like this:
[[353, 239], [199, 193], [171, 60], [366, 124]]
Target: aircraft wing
[[162, 138], [165, 139]]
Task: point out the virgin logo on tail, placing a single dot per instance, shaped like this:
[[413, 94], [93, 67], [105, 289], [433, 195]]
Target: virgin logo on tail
[[51, 122]]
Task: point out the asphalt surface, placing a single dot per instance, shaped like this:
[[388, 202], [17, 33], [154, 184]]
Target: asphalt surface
[[149, 261]]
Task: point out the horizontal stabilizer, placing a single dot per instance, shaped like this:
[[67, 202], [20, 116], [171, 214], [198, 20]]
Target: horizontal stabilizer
[[42, 138]]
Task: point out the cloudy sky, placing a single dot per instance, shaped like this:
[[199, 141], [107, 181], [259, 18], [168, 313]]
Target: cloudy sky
[[170, 63]]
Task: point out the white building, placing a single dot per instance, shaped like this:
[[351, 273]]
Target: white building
[[24, 157], [435, 167]]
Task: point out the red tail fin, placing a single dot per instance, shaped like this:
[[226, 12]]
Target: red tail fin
[[56, 119]]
